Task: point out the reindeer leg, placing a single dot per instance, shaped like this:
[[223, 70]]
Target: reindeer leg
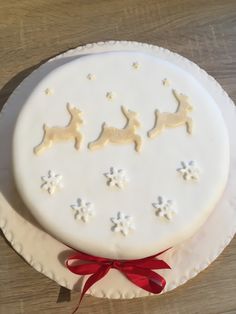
[[189, 125], [138, 143], [46, 143], [158, 126], [156, 130], [101, 142], [78, 140]]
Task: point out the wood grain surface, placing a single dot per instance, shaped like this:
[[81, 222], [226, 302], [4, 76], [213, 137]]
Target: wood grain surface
[[31, 31]]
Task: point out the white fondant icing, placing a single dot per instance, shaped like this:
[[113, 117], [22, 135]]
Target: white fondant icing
[[123, 223], [165, 208], [189, 170], [116, 177], [83, 210], [51, 182], [152, 170]]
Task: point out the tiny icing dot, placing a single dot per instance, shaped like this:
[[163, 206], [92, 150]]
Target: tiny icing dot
[[49, 92], [166, 82], [110, 96], [91, 77], [136, 65]]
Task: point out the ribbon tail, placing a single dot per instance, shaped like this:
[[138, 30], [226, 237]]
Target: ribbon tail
[[91, 281], [146, 279]]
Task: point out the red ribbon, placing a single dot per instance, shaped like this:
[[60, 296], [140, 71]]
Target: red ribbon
[[139, 272]]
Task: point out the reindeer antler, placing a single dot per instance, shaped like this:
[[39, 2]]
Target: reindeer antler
[[125, 111], [68, 106], [180, 97]]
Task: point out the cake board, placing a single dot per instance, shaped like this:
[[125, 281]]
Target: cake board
[[47, 255]]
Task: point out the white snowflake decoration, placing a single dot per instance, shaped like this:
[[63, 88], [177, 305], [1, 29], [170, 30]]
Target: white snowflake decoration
[[165, 208], [83, 210], [116, 177], [189, 170], [51, 182], [123, 223]]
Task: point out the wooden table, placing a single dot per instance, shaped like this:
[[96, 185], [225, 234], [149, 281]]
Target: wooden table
[[31, 31]]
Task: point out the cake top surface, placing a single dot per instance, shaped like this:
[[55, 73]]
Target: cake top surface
[[120, 154]]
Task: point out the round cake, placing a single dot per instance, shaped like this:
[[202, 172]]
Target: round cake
[[120, 154]]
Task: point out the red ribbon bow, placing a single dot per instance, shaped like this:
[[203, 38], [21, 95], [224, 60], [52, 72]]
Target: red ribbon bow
[[138, 271]]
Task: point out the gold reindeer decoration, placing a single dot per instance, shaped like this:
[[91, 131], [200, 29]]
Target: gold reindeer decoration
[[172, 120], [120, 136], [59, 134]]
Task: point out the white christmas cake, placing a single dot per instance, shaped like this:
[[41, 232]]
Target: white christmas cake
[[120, 154]]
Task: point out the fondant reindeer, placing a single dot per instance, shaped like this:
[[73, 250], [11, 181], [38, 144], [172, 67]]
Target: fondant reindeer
[[120, 136], [173, 120], [60, 134]]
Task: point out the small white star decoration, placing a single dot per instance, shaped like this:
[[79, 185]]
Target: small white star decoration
[[51, 182], [91, 77], [189, 170], [116, 177], [110, 96], [49, 91], [165, 208], [166, 82], [123, 224], [83, 210], [136, 65]]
